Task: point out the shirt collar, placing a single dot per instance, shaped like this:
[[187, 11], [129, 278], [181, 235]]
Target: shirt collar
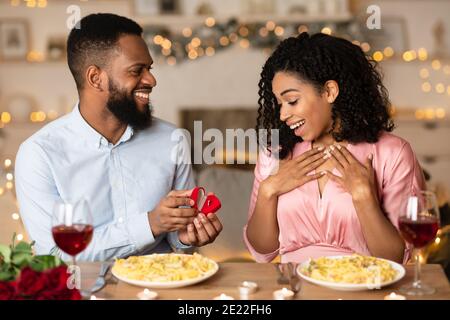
[[126, 135], [94, 138]]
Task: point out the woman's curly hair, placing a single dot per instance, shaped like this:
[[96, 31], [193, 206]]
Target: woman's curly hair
[[362, 105]]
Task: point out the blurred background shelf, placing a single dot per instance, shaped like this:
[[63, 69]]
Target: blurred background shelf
[[182, 20]]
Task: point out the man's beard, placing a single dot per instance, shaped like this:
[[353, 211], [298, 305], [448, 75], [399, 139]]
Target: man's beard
[[124, 108]]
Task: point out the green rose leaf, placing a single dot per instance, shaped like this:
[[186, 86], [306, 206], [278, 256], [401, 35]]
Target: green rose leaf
[[7, 272], [21, 259], [5, 252], [24, 247], [6, 276], [44, 262], [19, 255]]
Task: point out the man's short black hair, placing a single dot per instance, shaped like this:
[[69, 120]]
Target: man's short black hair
[[94, 41]]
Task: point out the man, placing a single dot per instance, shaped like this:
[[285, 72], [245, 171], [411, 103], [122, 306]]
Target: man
[[110, 151]]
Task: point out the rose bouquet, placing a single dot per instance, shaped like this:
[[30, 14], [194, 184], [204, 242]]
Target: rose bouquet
[[27, 276]]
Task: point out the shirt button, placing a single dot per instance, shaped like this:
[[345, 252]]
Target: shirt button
[[120, 220]]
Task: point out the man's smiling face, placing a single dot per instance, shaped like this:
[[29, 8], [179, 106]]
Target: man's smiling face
[[131, 82]]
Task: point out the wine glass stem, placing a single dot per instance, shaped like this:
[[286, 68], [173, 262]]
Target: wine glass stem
[[74, 261], [417, 269]]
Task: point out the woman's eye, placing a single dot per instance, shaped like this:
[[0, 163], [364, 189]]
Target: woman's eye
[[293, 103]]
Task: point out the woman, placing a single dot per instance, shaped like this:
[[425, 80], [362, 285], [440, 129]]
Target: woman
[[342, 177]]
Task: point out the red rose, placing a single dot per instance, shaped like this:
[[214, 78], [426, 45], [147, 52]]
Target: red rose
[[7, 290], [47, 295], [56, 286], [65, 294], [30, 282], [69, 294], [57, 278]]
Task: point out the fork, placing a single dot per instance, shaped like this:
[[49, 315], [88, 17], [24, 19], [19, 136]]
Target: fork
[[282, 279], [101, 282], [294, 279]]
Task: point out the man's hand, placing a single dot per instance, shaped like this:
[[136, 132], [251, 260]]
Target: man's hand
[[167, 216], [204, 230]]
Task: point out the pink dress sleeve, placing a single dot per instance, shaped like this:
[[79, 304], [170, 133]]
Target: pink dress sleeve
[[404, 178], [263, 168]]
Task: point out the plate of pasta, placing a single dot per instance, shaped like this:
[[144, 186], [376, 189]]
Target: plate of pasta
[[171, 270], [351, 273]]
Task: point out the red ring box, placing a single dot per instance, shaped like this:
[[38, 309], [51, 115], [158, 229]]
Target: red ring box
[[206, 204]]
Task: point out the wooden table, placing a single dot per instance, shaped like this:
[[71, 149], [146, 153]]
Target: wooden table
[[230, 275]]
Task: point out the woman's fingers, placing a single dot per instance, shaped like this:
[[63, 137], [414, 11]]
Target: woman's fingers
[[339, 156], [309, 153], [334, 178], [312, 158], [348, 156], [337, 164], [315, 176], [368, 163], [314, 165]]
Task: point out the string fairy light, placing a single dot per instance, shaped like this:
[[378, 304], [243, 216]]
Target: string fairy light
[[7, 169], [215, 36]]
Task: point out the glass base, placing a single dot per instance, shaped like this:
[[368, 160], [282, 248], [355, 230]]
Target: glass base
[[417, 290]]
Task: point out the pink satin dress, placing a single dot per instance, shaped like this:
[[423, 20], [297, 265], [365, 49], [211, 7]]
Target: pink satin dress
[[312, 226]]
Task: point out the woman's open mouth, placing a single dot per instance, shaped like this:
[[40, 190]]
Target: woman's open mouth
[[298, 127]]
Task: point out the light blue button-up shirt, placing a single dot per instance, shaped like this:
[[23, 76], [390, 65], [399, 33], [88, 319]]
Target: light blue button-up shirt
[[68, 160]]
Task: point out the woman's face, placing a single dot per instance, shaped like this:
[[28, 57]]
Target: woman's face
[[306, 111]]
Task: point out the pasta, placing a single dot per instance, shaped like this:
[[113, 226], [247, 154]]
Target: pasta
[[164, 267], [354, 269]]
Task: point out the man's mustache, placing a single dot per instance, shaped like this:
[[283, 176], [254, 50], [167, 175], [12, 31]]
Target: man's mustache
[[144, 88]]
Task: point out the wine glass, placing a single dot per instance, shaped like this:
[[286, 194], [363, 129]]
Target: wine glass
[[72, 227], [418, 225]]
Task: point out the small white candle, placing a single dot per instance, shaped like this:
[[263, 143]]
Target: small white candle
[[223, 296], [394, 296], [147, 295], [243, 296], [248, 287], [283, 294]]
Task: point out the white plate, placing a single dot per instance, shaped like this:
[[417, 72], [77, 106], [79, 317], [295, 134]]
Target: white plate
[[168, 284], [350, 286]]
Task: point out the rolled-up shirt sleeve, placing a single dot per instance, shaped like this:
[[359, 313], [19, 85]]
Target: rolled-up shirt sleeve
[[263, 169], [37, 193], [403, 179]]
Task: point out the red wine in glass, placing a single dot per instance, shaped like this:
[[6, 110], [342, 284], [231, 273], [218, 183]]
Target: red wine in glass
[[72, 226], [418, 225], [72, 239], [419, 232]]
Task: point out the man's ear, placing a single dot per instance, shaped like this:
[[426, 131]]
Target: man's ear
[[95, 78], [331, 90]]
